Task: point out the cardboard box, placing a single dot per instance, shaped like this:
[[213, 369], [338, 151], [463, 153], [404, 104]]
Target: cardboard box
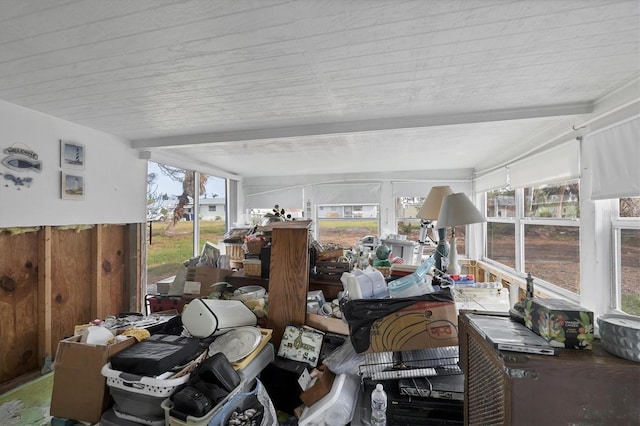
[[402, 324], [563, 323], [79, 389], [320, 388], [207, 277], [334, 325], [421, 325]]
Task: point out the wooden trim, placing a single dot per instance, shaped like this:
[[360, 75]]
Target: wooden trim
[[96, 273], [131, 295], [44, 296]]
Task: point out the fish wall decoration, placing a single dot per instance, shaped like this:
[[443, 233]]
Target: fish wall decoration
[[22, 164]]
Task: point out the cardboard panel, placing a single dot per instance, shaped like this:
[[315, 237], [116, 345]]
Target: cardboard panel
[[79, 388]]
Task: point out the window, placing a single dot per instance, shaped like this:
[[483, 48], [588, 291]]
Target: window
[[345, 224], [544, 239], [501, 228], [501, 243], [553, 254], [212, 208], [501, 203], [552, 234], [406, 221], [627, 256], [552, 201], [170, 244]]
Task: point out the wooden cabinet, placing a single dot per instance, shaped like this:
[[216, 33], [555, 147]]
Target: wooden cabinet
[[288, 277], [585, 387]]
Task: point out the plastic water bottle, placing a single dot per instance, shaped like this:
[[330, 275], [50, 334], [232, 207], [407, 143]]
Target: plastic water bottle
[[378, 406]]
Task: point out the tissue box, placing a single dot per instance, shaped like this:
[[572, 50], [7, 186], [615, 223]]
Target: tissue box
[[564, 324]]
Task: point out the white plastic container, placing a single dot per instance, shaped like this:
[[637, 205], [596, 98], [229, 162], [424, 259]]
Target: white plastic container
[[336, 407], [139, 396], [367, 284], [210, 317], [402, 248], [410, 285]]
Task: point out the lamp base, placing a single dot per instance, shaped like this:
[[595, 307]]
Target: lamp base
[[454, 266], [441, 249]]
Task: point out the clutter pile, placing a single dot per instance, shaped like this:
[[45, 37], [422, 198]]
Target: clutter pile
[[212, 361]]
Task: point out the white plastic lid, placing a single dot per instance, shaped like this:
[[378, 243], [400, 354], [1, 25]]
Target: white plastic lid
[[379, 386]]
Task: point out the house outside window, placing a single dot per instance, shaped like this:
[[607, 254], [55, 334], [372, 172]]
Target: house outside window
[[344, 224]]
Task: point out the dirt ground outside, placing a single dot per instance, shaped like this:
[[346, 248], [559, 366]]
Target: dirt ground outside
[[555, 261]]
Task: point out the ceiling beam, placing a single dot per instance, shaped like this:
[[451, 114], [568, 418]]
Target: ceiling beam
[[381, 124]]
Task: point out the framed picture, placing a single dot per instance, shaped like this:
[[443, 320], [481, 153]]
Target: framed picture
[[72, 155], [210, 255], [72, 186]]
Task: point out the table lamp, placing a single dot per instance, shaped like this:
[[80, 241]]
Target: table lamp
[[457, 209], [429, 212]]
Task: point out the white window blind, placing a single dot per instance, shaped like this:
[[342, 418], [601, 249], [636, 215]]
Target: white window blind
[[421, 189], [612, 158], [352, 193], [287, 198], [492, 180], [557, 164]]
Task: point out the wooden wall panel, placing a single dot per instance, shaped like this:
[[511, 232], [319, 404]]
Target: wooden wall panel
[[18, 304], [70, 281], [52, 279], [111, 271]]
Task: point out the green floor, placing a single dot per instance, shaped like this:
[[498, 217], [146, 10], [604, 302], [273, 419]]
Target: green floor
[[27, 404]]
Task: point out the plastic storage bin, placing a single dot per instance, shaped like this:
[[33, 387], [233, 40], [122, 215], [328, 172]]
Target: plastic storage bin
[[140, 397], [169, 420], [336, 407], [109, 418], [248, 374]]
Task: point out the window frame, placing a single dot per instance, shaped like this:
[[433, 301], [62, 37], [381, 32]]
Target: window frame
[[519, 222], [615, 289]]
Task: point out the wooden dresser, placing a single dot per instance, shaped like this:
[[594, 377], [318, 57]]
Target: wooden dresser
[[577, 387]]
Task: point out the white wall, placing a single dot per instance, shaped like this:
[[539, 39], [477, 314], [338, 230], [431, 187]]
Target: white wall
[[115, 188]]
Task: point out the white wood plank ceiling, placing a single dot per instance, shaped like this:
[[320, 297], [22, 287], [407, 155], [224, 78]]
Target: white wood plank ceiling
[[289, 87]]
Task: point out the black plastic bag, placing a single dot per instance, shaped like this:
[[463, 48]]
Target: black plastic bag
[[362, 313]]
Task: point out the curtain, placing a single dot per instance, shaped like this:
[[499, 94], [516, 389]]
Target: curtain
[[262, 197], [351, 193], [493, 180], [557, 164], [611, 156]]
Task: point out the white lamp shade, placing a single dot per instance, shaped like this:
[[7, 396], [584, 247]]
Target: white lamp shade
[[431, 207], [457, 209]]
